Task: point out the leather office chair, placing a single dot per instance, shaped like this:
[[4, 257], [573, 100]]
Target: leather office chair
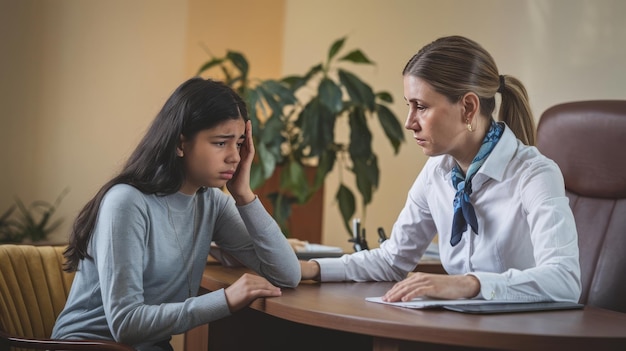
[[33, 291], [587, 140]]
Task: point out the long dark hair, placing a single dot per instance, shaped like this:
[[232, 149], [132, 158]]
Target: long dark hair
[[456, 65], [153, 167]]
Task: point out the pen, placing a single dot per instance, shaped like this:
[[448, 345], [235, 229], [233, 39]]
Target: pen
[[381, 235], [364, 245], [356, 239], [356, 228]]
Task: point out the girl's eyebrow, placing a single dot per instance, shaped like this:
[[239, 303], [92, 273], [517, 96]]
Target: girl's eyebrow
[[228, 136]]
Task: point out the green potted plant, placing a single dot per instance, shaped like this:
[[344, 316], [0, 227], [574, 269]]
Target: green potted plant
[[33, 222], [294, 121], [8, 232]]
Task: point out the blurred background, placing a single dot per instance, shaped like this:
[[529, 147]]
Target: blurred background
[[80, 81]]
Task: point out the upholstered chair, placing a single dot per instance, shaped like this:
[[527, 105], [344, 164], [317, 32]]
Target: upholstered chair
[[33, 291], [587, 139]]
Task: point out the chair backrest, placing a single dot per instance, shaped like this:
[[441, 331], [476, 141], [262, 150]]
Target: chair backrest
[[33, 289], [586, 139]]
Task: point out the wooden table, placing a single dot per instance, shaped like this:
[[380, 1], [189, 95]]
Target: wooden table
[[335, 316]]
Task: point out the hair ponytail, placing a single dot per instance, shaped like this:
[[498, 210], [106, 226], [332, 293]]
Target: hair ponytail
[[515, 110]]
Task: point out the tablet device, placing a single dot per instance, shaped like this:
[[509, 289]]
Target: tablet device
[[489, 308]]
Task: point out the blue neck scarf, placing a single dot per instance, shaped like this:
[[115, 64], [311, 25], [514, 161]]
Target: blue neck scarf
[[463, 210]]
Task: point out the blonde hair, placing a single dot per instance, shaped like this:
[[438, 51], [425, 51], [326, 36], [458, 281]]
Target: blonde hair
[[455, 66]]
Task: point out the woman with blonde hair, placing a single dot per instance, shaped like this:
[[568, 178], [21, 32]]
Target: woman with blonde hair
[[506, 231]]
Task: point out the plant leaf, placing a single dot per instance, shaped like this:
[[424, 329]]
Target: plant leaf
[[266, 160], [59, 198], [345, 200], [335, 47], [272, 130], [325, 165], [239, 61], [252, 99], [227, 78], [52, 227], [271, 100], [313, 71], [294, 180], [360, 135], [260, 108], [330, 95], [366, 172], [356, 56], [209, 64], [27, 217], [385, 96], [282, 210], [256, 175], [9, 230], [6, 214], [391, 126], [294, 82], [279, 92], [359, 92], [34, 220], [317, 124]]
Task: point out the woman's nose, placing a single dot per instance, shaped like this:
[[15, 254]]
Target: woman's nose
[[411, 122]]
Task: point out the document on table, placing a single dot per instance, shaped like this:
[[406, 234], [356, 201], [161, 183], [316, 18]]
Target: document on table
[[482, 306], [424, 302]]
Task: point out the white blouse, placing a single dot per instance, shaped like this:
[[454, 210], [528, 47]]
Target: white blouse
[[526, 247]]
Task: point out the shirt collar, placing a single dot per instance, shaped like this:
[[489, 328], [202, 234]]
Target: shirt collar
[[495, 164]]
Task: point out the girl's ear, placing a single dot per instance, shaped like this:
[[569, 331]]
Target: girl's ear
[[179, 149]]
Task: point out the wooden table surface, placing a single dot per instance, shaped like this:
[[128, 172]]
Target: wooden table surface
[[342, 306]]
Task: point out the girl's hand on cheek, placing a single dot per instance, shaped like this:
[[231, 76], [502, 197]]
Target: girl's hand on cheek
[[239, 185]]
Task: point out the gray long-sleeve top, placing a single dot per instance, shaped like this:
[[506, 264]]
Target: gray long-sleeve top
[[149, 253]]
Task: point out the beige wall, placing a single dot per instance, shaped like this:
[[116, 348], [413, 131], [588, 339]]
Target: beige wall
[[562, 50], [81, 80], [254, 28], [90, 75]]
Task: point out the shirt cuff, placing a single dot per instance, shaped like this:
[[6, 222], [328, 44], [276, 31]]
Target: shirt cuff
[[489, 287], [256, 199], [211, 307], [331, 269]]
